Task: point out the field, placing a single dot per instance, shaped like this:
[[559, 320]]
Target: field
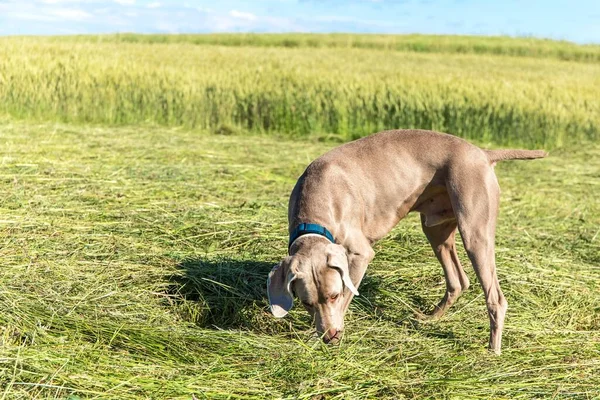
[[526, 47], [298, 92], [136, 240]]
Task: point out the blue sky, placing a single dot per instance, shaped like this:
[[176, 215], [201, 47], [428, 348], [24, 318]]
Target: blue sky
[[574, 20]]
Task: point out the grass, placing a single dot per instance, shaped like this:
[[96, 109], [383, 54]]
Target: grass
[[297, 92], [135, 259], [500, 45]]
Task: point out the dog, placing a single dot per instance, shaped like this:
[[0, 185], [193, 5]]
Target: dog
[[354, 195]]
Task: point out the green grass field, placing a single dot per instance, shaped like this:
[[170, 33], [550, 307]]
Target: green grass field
[[143, 201], [134, 266]]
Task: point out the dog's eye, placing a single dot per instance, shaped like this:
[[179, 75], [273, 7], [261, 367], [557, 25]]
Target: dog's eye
[[335, 296]]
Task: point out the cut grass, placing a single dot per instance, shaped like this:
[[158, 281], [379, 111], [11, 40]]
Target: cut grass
[[134, 265]]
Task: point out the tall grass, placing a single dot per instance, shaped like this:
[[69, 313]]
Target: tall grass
[[503, 45], [345, 92]]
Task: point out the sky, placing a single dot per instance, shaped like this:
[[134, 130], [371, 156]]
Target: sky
[[573, 20]]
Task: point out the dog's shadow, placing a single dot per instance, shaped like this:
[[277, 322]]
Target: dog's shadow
[[232, 294], [220, 294]]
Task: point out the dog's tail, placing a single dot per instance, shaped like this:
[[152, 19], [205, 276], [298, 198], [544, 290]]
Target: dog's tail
[[499, 155]]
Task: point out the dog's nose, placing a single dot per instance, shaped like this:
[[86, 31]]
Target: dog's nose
[[332, 336]]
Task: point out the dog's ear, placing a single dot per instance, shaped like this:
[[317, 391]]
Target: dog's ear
[[279, 288], [336, 258]]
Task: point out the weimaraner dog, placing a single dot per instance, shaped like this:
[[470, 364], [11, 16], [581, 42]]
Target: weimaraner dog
[[355, 194]]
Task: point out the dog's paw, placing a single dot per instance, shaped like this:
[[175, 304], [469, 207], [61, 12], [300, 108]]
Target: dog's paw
[[424, 318], [495, 352]]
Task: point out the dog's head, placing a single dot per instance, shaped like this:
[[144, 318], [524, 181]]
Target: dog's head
[[320, 278]]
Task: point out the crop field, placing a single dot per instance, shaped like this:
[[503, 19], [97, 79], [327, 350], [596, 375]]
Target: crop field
[[526, 47], [143, 201], [298, 92]]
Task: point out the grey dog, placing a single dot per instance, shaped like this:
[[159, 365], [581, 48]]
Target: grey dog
[[356, 193]]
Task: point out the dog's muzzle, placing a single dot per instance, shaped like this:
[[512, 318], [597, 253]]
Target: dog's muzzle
[[332, 336]]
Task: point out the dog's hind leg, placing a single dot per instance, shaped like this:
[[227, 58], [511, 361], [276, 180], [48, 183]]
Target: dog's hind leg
[[442, 240], [474, 193]]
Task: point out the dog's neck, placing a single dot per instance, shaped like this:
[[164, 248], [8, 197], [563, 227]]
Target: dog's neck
[[305, 241]]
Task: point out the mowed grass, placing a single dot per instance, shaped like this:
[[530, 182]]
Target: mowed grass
[[134, 263], [298, 92]]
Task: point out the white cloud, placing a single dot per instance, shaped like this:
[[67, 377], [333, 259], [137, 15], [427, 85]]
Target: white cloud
[[155, 4], [242, 15], [125, 2], [70, 13], [30, 16]]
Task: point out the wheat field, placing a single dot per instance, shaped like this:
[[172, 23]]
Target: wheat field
[[345, 93]]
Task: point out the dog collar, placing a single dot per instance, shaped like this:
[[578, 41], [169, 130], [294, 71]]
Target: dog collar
[[305, 229]]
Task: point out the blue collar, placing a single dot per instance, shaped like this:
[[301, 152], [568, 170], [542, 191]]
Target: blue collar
[[304, 229]]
